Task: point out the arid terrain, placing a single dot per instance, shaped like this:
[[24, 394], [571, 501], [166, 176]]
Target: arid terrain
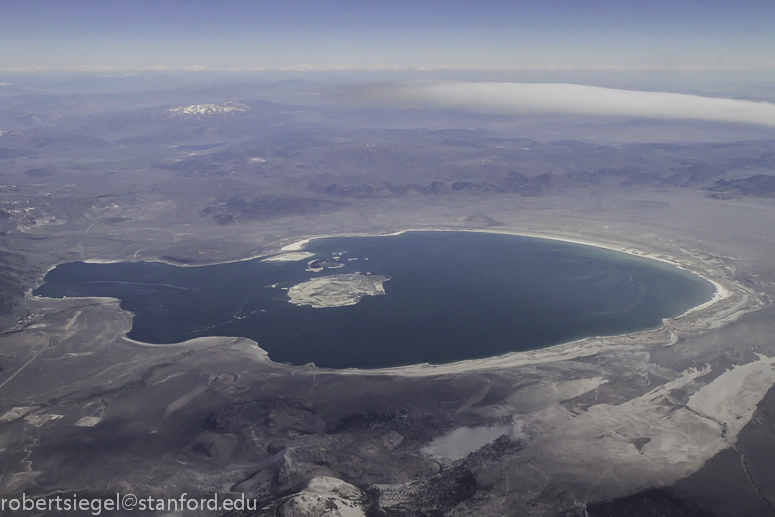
[[676, 421]]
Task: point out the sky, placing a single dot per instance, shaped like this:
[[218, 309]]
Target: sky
[[395, 34]]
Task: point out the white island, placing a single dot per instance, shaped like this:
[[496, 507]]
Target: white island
[[337, 290]]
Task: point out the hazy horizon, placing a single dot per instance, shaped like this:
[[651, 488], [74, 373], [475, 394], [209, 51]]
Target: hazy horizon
[[85, 35]]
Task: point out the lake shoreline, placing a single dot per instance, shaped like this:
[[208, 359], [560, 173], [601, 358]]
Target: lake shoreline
[[585, 346]]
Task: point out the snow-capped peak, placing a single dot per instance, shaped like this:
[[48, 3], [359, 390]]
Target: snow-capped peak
[[209, 110]]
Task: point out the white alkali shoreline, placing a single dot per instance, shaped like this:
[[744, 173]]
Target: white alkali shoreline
[[565, 351]]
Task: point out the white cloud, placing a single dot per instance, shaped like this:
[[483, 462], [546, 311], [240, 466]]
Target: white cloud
[[512, 98]]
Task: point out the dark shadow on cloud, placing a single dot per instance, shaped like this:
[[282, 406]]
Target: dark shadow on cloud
[[515, 98]]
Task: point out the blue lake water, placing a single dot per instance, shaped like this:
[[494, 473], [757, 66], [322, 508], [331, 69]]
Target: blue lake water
[[451, 296]]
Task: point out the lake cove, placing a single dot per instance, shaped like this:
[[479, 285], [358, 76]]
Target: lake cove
[[416, 297]]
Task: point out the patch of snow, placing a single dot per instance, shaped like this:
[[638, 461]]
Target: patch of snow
[[207, 110], [731, 398], [39, 420], [325, 496], [185, 399], [88, 421], [546, 393], [15, 413], [679, 438], [461, 442]]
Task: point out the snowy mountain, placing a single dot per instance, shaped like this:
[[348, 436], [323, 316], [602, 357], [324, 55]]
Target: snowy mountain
[[207, 110]]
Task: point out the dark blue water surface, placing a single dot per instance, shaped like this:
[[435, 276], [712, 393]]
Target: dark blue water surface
[[452, 296]]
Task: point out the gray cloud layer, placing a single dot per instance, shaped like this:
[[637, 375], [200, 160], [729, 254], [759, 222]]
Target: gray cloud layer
[[572, 98]]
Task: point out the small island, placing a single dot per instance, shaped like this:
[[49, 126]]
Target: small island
[[337, 290]]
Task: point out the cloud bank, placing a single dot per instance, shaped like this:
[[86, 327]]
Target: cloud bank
[[514, 98]]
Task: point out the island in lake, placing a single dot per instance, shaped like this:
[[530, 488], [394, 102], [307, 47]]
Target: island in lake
[[337, 290]]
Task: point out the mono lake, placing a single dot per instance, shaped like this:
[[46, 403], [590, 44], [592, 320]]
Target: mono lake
[[416, 297]]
